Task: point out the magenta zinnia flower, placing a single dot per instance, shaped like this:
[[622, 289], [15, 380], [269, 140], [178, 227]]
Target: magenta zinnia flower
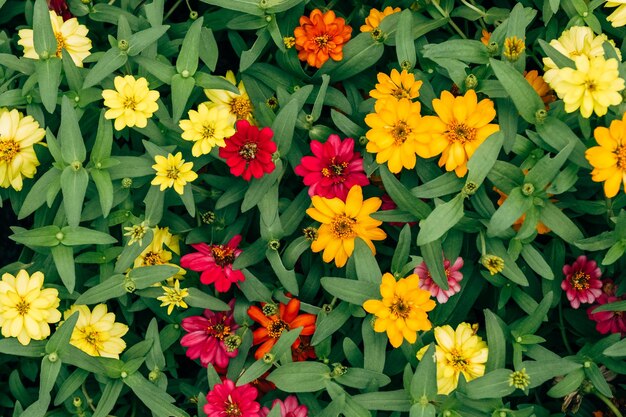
[[608, 321], [333, 169], [454, 277], [216, 263], [227, 400], [248, 152], [288, 408], [206, 335], [582, 281]]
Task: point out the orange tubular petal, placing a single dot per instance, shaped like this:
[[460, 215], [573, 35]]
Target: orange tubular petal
[[264, 348], [259, 335], [291, 310], [257, 315], [307, 321]]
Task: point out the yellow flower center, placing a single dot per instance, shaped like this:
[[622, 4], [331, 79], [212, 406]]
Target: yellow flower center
[[400, 132], [130, 103], [208, 132], [590, 85], [276, 328], [241, 107], [22, 307], [342, 227], [334, 169], [173, 173], [620, 152], [223, 255], [460, 132], [219, 331], [60, 43], [580, 280], [321, 41], [399, 93], [248, 151], [153, 258], [231, 409], [457, 361], [400, 308], [9, 148]]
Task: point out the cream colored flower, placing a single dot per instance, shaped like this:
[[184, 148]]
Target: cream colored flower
[[132, 103], [96, 333]]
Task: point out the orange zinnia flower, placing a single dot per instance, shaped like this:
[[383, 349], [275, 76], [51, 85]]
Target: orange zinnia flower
[[540, 86], [486, 37], [321, 36], [274, 325]]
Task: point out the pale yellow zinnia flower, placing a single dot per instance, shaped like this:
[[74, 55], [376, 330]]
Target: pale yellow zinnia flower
[[208, 127], [173, 171], [132, 103], [26, 308], [457, 352], [96, 333], [618, 17], [239, 105], [70, 36], [173, 297], [592, 86], [18, 134]]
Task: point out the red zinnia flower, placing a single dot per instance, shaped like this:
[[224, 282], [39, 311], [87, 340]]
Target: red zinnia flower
[[453, 274], [60, 7], [333, 169], [288, 408], [582, 281], [206, 337], [304, 350], [227, 400], [274, 325], [249, 151], [216, 263], [608, 321]]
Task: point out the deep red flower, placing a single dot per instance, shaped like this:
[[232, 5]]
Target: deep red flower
[[608, 321], [206, 334], [227, 400], [249, 151], [61, 8], [582, 281], [304, 350], [333, 169], [216, 263]]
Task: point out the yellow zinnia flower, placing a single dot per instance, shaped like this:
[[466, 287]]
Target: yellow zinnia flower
[[396, 85], [372, 21], [239, 105], [457, 352], [342, 223], [207, 127], [460, 127], [26, 308], [402, 311], [393, 134], [132, 103], [96, 333], [173, 171], [592, 87], [173, 297], [609, 158], [70, 36], [618, 17], [157, 254], [18, 134]]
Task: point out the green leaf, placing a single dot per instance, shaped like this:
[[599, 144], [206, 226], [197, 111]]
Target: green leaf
[[155, 200], [141, 40], [360, 53], [374, 346], [460, 49], [401, 196], [445, 184], [521, 92], [300, 377], [558, 135], [42, 236], [71, 384], [157, 400], [181, 90], [546, 169], [558, 58], [60, 339], [424, 381], [102, 179], [286, 277], [260, 186], [253, 289], [111, 287], [63, 257], [559, 223], [145, 276], [109, 397], [131, 252], [531, 324], [494, 384], [536, 261], [213, 82], [73, 186], [597, 379], [352, 291], [284, 125], [109, 62], [419, 410], [401, 253], [49, 78], [200, 299], [433, 256], [104, 141], [188, 57], [405, 47], [250, 56], [567, 385], [616, 350], [44, 39], [512, 209], [496, 341], [277, 6], [76, 235], [35, 349], [444, 217], [484, 158], [397, 400], [541, 371], [362, 378], [245, 6], [327, 324], [48, 376], [367, 268], [71, 139]]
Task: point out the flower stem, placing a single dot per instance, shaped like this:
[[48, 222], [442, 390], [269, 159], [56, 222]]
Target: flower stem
[[482, 14], [450, 22], [87, 397], [562, 328], [609, 404], [170, 11]]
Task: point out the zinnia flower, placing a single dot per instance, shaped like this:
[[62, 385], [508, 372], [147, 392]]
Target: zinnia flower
[[608, 321], [70, 35], [462, 124], [592, 87], [61, 8], [207, 127], [18, 159], [453, 274], [96, 333], [396, 85], [304, 351], [26, 308], [333, 169], [609, 158], [618, 17], [157, 254], [274, 323], [173, 297], [485, 37], [457, 352], [393, 134], [216, 263], [239, 105], [540, 86], [249, 151], [402, 311], [344, 222], [493, 263], [321, 36], [288, 408], [228, 400], [207, 335], [582, 281], [132, 102], [372, 21], [513, 48], [173, 171]]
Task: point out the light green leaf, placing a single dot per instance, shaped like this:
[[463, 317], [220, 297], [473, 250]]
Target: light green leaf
[[141, 40], [49, 78], [405, 47], [494, 384], [352, 291], [63, 257], [76, 235], [188, 57], [360, 53], [109, 62], [444, 217], [300, 377], [43, 35], [73, 186]]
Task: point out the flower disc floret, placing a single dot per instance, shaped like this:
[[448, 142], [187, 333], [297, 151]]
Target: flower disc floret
[[132, 102]]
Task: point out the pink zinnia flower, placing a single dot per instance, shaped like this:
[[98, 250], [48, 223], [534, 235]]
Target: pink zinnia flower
[[454, 277], [227, 400], [206, 335], [216, 263], [249, 151], [608, 321], [288, 408], [333, 169], [582, 281]]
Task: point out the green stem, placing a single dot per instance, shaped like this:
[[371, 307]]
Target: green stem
[[450, 22], [87, 397], [609, 404], [483, 246], [170, 11], [482, 14], [562, 328]]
